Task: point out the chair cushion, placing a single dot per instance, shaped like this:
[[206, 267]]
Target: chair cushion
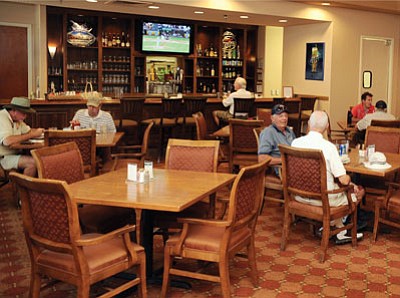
[[157, 121], [208, 238], [302, 208], [99, 257], [126, 123]]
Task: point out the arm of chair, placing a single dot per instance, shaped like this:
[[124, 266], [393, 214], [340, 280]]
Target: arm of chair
[[130, 147], [344, 188], [106, 237], [205, 222]]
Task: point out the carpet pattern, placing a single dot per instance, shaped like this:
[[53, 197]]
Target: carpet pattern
[[369, 270]]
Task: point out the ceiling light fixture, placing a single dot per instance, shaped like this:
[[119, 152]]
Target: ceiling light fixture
[[92, 1], [199, 12], [52, 51], [244, 17], [325, 4], [283, 21], [153, 7]]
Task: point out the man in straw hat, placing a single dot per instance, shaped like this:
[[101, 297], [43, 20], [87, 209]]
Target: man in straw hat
[[94, 117], [13, 130]]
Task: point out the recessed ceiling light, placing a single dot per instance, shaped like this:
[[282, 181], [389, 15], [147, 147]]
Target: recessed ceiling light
[[283, 21], [325, 4], [199, 12], [153, 7], [93, 1], [244, 17]]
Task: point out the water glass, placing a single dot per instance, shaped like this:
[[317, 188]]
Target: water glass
[[148, 167]]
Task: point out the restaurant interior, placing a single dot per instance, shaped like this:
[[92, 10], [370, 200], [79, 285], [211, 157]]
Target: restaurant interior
[[174, 203]]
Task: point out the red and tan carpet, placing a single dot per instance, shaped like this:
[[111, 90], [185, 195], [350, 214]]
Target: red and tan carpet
[[370, 270]]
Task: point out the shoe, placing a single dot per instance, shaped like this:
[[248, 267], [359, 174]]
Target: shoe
[[341, 238], [361, 223]]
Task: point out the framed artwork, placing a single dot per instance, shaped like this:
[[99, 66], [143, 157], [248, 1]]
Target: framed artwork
[[315, 54], [287, 91], [367, 79]]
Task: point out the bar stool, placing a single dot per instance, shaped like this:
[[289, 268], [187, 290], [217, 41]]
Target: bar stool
[[191, 105]]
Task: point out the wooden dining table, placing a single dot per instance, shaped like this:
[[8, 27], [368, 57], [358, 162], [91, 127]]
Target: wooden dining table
[[356, 165], [170, 190]]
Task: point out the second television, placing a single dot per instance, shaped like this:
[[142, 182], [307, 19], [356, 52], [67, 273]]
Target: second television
[[166, 37]]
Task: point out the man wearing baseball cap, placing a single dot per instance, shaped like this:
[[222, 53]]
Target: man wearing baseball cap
[[277, 133], [94, 117], [13, 130]]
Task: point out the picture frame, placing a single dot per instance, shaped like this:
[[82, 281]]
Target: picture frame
[[367, 79], [287, 91], [315, 59]]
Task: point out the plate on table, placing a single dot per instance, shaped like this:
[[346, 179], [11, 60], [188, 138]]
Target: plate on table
[[345, 159], [377, 166]]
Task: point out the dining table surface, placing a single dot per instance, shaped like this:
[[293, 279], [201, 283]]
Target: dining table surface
[[169, 190], [102, 140], [357, 165]]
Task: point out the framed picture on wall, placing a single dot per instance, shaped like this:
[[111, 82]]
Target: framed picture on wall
[[287, 91], [315, 56]]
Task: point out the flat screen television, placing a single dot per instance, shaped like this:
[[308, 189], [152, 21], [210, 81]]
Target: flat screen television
[[166, 38]]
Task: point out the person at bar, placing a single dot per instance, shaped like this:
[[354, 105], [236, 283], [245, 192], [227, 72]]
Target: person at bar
[[318, 124], [94, 117], [363, 108], [14, 130], [240, 92], [277, 133]]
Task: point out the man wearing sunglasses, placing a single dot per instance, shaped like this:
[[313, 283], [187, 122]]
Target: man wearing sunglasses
[[277, 133]]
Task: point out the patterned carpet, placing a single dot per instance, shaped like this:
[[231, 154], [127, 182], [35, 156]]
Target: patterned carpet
[[370, 270]]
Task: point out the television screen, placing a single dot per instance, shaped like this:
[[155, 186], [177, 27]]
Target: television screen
[[163, 37]]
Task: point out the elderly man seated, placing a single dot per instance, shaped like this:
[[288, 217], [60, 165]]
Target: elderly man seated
[[318, 124]]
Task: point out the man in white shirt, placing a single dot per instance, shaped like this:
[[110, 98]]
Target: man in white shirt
[[94, 117], [379, 114], [241, 92], [318, 124]]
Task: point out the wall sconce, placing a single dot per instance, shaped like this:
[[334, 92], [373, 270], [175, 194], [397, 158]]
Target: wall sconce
[[52, 51]]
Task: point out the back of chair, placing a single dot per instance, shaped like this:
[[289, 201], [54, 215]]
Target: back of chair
[[192, 155], [85, 139], [193, 105], [278, 101], [241, 138], [386, 123], [201, 126], [264, 115], [171, 108], [243, 106], [308, 104], [59, 162], [303, 173], [246, 195], [50, 218], [385, 139], [131, 108]]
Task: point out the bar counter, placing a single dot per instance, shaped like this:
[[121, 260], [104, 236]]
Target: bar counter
[[58, 113]]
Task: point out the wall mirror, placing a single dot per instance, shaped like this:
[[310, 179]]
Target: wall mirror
[[367, 79]]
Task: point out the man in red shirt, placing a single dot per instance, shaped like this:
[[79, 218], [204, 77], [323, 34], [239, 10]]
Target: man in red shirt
[[363, 108]]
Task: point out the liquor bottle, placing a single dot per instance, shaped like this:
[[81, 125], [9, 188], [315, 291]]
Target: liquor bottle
[[212, 70], [197, 70], [103, 38], [238, 52], [349, 117], [128, 41], [211, 50], [114, 41], [123, 39], [109, 40], [118, 41]]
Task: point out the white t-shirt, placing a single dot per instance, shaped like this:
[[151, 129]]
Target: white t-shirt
[[334, 166], [102, 119], [228, 102]]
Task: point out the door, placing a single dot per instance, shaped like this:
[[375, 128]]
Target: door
[[13, 61], [377, 57]]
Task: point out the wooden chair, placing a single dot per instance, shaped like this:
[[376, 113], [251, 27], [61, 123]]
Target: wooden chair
[[243, 107], [191, 105], [307, 108], [171, 109], [387, 209], [120, 160], [264, 115], [336, 135], [85, 139], [64, 162], [243, 149], [58, 249], [202, 134], [385, 139], [131, 113], [304, 174], [189, 155], [293, 106], [273, 188], [386, 123], [218, 240]]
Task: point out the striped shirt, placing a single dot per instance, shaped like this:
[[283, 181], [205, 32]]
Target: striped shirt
[[103, 119]]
